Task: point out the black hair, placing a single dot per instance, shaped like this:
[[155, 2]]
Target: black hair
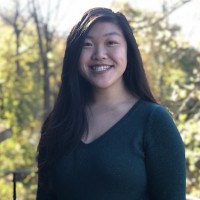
[[62, 130]]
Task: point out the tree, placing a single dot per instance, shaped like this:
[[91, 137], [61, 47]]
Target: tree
[[21, 92]]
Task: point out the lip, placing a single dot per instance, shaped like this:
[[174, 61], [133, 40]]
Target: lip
[[101, 64], [100, 68]]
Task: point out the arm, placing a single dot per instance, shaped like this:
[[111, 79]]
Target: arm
[[165, 158], [42, 194]]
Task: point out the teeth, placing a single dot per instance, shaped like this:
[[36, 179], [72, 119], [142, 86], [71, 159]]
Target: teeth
[[100, 68]]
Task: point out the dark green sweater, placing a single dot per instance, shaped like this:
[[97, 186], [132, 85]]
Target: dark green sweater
[[140, 158]]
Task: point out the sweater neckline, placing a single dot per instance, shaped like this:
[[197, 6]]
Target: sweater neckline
[[104, 135]]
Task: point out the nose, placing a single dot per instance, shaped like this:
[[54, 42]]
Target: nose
[[99, 53]]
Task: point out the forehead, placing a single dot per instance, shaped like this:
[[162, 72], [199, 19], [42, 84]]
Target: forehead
[[104, 29]]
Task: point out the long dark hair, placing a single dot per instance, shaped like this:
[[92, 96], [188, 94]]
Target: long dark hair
[[63, 128]]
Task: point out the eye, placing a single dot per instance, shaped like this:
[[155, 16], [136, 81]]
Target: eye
[[112, 42], [87, 44]]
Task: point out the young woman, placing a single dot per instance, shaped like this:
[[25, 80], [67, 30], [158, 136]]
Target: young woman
[[107, 138]]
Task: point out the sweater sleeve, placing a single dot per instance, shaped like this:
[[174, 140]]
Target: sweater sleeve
[[42, 194], [165, 157]]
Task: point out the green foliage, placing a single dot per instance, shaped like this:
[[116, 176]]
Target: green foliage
[[21, 104]]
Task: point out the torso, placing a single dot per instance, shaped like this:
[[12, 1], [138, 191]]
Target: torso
[[126, 162], [110, 167]]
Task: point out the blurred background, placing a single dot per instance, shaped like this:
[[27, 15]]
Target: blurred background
[[32, 43]]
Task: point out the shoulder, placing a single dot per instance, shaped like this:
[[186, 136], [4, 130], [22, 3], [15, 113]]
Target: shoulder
[[154, 110], [160, 127], [158, 115], [147, 113]]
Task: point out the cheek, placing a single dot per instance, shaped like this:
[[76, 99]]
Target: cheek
[[119, 53], [81, 62], [121, 56], [85, 56], [81, 69], [125, 55]]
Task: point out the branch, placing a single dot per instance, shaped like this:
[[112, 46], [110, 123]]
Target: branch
[[165, 15], [184, 103]]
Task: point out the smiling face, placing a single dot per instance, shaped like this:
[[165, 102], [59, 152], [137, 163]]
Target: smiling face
[[103, 57]]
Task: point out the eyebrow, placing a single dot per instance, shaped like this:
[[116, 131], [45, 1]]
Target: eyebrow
[[107, 34]]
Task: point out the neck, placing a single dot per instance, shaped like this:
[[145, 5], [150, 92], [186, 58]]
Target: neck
[[112, 96]]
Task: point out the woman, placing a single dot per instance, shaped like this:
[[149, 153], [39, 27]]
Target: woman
[[107, 138]]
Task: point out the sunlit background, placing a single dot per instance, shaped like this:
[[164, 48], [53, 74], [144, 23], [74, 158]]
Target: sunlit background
[[32, 42]]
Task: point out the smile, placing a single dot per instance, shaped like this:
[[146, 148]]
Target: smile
[[100, 68]]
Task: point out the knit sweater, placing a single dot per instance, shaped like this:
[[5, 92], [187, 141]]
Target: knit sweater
[[141, 157]]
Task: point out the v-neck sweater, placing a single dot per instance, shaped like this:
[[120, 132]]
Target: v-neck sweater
[[141, 157]]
